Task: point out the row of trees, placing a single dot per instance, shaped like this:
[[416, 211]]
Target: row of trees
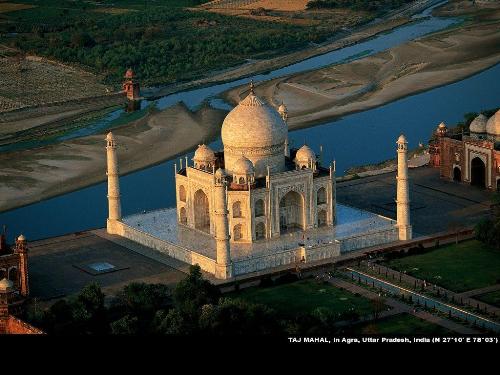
[[163, 43], [488, 230], [195, 306]]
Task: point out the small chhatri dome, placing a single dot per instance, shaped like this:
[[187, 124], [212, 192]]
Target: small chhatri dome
[[493, 124], [243, 166], [305, 153], [478, 125], [110, 137], [21, 238], [442, 126], [402, 139], [220, 173], [6, 285], [204, 153]]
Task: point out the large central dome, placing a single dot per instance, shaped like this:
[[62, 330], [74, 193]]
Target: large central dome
[[257, 131]]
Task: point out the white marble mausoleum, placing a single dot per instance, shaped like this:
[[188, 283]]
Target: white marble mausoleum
[[257, 203]]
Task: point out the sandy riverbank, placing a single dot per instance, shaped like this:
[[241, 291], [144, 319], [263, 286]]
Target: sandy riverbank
[[34, 175], [432, 61]]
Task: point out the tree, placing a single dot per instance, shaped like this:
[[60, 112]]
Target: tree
[[378, 305], [193, 292], [82, 40], [143, 300], [88, 310], [128, 325], [488, 230], [237, 317]]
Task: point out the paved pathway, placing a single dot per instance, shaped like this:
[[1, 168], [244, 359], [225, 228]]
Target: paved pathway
[[399, 307], [478, 292]]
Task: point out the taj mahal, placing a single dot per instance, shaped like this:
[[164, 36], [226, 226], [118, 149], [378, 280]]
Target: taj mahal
[[257, 204]]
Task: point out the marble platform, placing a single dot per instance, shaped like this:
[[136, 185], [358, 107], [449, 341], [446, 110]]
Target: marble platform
[[351, 222]]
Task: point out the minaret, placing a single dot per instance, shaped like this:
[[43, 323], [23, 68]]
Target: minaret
[[223, 263], [403, 191], [284, 115], [22, 250], [114, 206]]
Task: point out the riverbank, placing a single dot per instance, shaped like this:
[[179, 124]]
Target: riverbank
[[429, 62], [34, 175], [63, 113]]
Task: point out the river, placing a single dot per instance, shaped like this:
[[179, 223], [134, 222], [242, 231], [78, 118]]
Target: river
[[360, 138]]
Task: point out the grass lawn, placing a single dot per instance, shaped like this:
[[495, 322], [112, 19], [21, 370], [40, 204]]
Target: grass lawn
[[468, 265], [401, 324], [492, 298], [305, 296]]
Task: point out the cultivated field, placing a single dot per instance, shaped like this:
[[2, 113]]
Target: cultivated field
[[10, 7], [287, 11], [29, 81], [285, 5]]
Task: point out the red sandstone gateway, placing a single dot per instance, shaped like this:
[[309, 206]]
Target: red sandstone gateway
[[472, 158]]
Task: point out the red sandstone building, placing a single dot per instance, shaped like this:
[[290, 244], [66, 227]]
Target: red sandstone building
[[14, 289], [131, 86], [472, 158]]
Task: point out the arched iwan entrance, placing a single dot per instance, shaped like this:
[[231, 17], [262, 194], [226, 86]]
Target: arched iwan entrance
[[260, 231], [238, 232], [478, 172], [457, 174], [183, 216], [321, 218], [291, 212], [201, 211]]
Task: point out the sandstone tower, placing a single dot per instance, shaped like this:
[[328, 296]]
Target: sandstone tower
[[223, 261], [131, 86], [22, 250], [114, 206], [403, 193]]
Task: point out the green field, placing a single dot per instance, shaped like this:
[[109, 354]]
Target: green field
[[401, 324], [492, 298], [161, 40], [466, 266], [304, 297]]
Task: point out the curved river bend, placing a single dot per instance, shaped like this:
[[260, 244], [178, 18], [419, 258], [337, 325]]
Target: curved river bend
[[360, 138]]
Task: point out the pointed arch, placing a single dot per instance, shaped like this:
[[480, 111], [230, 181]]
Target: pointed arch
[[321, 196], [260, 231], [201, 211]]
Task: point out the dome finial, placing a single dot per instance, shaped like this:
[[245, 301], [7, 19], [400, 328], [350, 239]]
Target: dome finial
[[252, 87]]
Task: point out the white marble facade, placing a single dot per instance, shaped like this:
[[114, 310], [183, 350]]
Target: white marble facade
[[268, 192]]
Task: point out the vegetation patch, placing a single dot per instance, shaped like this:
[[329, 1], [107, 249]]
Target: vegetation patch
[[492, 298], [113, 10], [466, 266], [401, 324], [306, 296], [10, 7], [163, 41]]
